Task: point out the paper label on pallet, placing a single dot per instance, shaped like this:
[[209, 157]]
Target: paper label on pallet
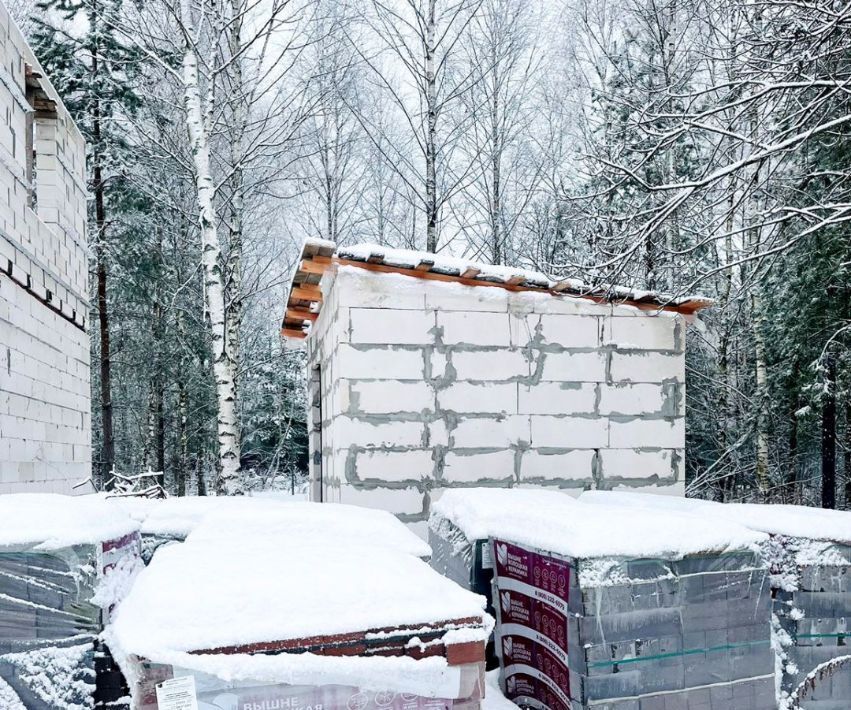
[[177, 694], [487, 556]]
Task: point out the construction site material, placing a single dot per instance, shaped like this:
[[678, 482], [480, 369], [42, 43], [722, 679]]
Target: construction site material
[[617, 608], [64, 564], [809, 556], [322, 623]]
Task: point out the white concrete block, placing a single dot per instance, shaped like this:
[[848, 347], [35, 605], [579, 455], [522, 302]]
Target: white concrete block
[[399, 501], [567, 331], [645, 333], [631, 399], [629, 463], [438, 434], [647, 367], [479, 328], [487, 397], [575, 367], [648, 433], [571, 465], [490, 432], [557, 398], [572, 306], [570, 432], [390, 396], [677, 489], [394, 465], [347, 431], [395, 327], [377, 363], [491, 365], [458, 297], [473, 468], [356, 287]]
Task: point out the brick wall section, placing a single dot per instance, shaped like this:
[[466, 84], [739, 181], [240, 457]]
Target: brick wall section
[[45, 420], [430, 385]]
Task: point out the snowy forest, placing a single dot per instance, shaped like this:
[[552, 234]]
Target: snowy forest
[[680, 146]]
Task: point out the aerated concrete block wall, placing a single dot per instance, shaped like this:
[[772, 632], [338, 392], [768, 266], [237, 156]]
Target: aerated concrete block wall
[[428, 385], [45, 420]]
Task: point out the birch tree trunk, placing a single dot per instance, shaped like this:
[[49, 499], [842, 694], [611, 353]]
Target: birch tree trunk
[[431, 132], [230, 482]]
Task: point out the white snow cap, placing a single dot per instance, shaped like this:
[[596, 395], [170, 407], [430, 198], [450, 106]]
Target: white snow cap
[[789, 520], [179, 516], [333, 523], [206, 595], [49, 521], [556, 523]]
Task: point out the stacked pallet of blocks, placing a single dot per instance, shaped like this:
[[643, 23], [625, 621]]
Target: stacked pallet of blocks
[[812, 583], [58, 584], [692, 634]]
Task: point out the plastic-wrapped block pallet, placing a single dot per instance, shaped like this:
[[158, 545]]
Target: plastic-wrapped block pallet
[[250, 622], [625, 611], [64, 563], [809, 555], [458, 532]]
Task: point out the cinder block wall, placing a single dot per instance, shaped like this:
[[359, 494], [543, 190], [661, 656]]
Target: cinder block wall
[[45, 419], [429, 385]]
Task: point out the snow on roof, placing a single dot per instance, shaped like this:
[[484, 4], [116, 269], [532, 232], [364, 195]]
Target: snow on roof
[[774, 519], [49, 521], [336, 522], [575, 529], [305, 297], [205, 595]]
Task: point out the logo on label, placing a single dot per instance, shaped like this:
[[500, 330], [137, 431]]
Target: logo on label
[[502, 553], [358, 701], [384, 698], [505, 601], [508, 645]]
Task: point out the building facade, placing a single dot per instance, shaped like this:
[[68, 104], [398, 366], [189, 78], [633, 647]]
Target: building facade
[[45, 413], [421, 383]]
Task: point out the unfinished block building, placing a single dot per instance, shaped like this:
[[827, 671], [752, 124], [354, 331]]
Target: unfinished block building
[[45, 419], [430, 373]]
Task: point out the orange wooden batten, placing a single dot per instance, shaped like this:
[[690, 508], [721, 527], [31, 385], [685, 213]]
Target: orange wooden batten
[[305, 289]]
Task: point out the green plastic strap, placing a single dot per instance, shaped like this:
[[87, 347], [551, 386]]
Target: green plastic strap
[[674, 654]]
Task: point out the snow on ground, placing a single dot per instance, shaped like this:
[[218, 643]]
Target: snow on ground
[[494, 699], [49, 521], [788, 520], [578, 530], [252, 589], [336, 523]]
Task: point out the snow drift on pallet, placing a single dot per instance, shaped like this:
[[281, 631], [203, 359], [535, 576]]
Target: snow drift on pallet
[[307, 617], [64, 564], [809, 555], [335, 522]]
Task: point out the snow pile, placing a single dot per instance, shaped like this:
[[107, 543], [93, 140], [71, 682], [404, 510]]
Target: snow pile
[[494, 699], [9, 699], [556, 523], [48, 521], [258, 593], [428, 677], [290, 522], [59, 677], [787, 520], [177, 517]]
